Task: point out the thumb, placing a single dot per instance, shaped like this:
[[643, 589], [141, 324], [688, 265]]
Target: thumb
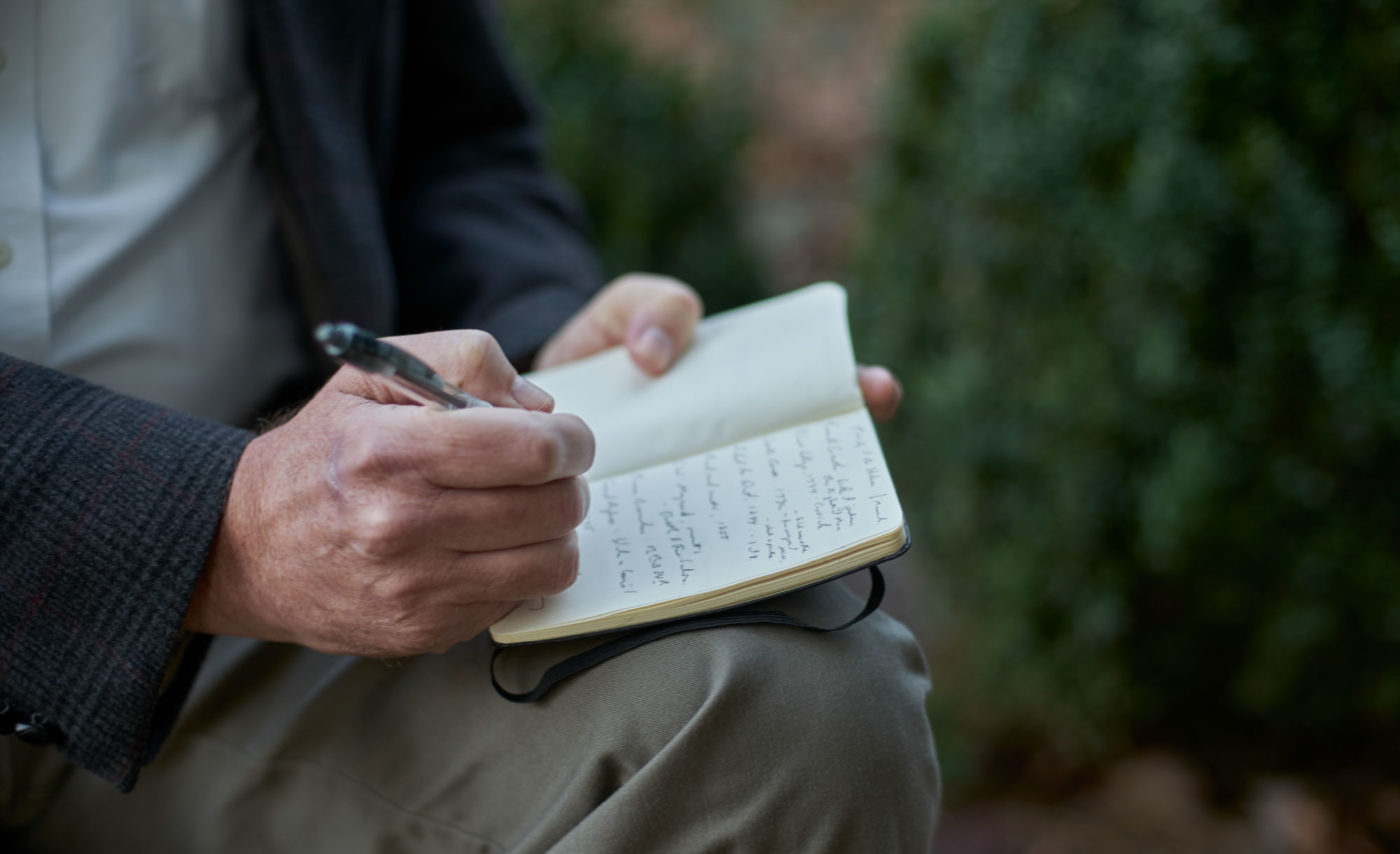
[[654, 316], [660, 316]]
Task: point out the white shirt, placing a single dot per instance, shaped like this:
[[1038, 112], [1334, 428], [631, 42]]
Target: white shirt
[[136, 238]]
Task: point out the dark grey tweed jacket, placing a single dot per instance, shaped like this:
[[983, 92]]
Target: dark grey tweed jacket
[[407, 173]]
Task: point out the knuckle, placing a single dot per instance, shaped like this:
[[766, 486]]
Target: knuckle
[[580, 497], [632, 281], [688, 298], [573, 435], [543, 453], [386, 595], [369, 451], [476, 352], [561, 569], [362, 453], [379, 529], [666, 289], [561, 505], [478, 340]]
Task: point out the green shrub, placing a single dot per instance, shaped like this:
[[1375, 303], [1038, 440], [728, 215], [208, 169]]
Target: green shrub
[[1139, 263], [654, 156]]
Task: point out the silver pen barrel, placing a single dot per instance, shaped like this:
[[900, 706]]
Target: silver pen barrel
[[361, 349]]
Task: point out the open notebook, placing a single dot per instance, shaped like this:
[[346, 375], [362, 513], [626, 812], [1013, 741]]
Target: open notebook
[[751, 468]]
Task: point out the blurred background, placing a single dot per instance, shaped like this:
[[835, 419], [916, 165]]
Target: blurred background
[[1138, 266]]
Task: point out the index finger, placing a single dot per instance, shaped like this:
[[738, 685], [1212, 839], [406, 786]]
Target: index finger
[[477, 448]]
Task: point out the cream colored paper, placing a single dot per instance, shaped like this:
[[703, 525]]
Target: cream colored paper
[[774, 364], [725, 526], [749, 469]]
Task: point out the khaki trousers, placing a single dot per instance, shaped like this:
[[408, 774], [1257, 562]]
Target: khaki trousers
[[764, 739]]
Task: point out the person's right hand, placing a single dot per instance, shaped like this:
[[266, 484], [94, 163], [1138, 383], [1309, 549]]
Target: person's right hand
[[372, 526]]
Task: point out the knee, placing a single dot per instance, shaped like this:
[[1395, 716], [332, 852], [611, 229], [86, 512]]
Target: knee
[[844, 710], [852, 702]]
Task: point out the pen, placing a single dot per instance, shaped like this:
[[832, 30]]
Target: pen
[[358, 348]]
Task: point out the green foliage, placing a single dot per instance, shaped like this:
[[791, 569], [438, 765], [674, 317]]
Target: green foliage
[[1138, 263], [654, 156]]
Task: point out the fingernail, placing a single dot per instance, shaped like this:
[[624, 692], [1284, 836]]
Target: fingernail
[[655, 349], [531, 396]]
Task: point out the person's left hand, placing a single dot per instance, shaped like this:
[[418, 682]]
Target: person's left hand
[[655, 317]]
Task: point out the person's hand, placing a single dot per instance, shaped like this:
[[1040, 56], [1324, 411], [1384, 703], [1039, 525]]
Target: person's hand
[[654, 316], [881, 390], [368, 527]]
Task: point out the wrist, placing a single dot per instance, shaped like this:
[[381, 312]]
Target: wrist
[[221, 602]]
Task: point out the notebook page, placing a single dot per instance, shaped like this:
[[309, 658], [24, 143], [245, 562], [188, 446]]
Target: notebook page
[[763, 367], [723, 518]]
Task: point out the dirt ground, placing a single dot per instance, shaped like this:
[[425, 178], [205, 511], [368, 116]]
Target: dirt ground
[[1150, 803]]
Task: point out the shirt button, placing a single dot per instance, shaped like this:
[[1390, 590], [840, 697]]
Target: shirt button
[[6, 253]]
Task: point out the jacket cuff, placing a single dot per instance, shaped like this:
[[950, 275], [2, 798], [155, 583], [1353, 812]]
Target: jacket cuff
[[108, 507]]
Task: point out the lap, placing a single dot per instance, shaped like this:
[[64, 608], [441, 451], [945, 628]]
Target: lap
[[743, 738]]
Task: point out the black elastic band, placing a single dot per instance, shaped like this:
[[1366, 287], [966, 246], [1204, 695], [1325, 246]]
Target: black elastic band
[[617, 646]]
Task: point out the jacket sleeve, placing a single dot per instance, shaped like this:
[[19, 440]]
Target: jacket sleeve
[[483, 235], [108, 506]]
